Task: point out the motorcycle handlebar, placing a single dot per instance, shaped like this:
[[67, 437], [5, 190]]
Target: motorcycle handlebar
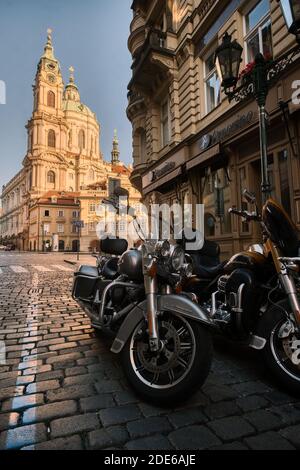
[[244, 214]]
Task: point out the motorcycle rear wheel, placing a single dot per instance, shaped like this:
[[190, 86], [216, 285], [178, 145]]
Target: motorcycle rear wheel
[[278, 353], [178, 370]]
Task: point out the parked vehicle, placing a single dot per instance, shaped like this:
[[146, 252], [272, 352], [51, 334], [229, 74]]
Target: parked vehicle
[[10, 247], [163, 338], [254, 297]]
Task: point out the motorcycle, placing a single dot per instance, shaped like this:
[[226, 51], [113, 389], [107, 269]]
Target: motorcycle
[[254, 297], [161, 334]]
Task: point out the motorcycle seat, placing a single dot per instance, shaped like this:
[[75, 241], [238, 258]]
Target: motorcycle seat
[[89, 271], [209, 272], [110, 269]]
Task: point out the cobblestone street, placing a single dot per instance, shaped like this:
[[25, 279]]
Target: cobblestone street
[[61, 388]]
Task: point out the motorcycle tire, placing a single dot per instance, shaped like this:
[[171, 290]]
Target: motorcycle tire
[[277, 352], [178, 370]]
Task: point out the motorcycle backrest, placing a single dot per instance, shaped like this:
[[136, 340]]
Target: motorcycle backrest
[[111, 246]]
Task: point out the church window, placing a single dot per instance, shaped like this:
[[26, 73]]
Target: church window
[[51, 177], [51, 99], [51, 139], [91, 175], [81, 139]]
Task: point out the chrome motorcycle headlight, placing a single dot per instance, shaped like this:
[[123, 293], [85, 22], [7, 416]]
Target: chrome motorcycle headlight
[[163, 248], [177, 258]]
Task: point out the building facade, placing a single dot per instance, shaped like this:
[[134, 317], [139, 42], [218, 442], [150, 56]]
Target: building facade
[[189, 142], [63, 171]]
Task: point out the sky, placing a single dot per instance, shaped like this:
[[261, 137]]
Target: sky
[[90, 35]]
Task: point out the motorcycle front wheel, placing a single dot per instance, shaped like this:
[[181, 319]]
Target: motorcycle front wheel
[[281, 355], [179, 368]]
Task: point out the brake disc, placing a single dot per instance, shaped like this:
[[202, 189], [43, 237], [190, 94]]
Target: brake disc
[[291, 347]]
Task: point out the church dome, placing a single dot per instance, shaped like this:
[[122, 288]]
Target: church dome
[[72, 102]]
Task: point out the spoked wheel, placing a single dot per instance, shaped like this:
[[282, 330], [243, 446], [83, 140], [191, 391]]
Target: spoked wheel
[[177, 369], [282, 355]]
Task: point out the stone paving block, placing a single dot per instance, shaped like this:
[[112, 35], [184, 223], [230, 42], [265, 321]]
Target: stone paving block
[[148, 426], [21, 402], [64, 443], [229, 429], [96, 403], [288, 414], [251, 388], [268, 441], [22, 436], [155, 443], [74, 371], [125, 398], [251, 403], [232, 446], [70, 393], [292, 434], [193, 438], [50, 411], [108, 386], [119, 415], [220, 393], [8, 420], [187, 417], [263, 420], [74, 424], [42, 386], [221, 410]]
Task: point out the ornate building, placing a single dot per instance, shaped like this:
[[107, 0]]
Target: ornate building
[[189, 142], [64, 175]]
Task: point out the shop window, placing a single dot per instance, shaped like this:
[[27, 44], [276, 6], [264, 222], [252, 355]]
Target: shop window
[[258, 29], [165, 123], [212, 84]]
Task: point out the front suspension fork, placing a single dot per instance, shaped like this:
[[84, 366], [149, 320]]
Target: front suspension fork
[[151, 295], [290, 288]]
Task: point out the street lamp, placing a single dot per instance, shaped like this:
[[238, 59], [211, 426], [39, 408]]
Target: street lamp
[[258, 81], [291, 12]]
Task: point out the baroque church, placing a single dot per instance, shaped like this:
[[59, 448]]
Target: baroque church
[[64, 176]]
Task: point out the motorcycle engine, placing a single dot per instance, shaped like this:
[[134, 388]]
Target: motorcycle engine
[[239, 300]]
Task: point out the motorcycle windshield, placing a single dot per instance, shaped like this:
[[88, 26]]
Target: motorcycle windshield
[[282, 230]]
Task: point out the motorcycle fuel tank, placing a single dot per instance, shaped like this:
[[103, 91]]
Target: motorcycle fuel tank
[[131, 265], [246, 260]]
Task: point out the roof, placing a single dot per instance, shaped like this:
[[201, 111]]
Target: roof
[[77, 107]]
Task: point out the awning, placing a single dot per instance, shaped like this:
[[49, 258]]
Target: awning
[[204, 157], [166, 179]]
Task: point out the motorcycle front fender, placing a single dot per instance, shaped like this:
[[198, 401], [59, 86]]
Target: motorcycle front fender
[[176, 304]]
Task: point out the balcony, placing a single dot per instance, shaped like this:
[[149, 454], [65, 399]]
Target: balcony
[[154, 61], [136, 105]]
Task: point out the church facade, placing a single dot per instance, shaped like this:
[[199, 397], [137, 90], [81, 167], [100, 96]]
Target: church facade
[[64, 176]]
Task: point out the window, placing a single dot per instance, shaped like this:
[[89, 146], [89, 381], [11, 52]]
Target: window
[[74, 229], [60, 228], [75, 214], [113, 184], [258, 31], [212, 84], [61, 214], [81, 140], [71, 176], [92, 207], [51, 177], [51, 99], [91, 226], [47, 213], [46, 228], [165, 123], [91, 175], [51, 139]]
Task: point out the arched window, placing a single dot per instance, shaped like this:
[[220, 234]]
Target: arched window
[[51, 177], [91, 175], [81, 139], [51, 99], [51, 139]]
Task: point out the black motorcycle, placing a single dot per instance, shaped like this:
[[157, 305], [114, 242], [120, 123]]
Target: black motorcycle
[[254, 298], [161, 334]]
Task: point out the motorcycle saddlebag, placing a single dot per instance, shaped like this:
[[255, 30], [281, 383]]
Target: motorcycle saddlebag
[[85, 283]]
